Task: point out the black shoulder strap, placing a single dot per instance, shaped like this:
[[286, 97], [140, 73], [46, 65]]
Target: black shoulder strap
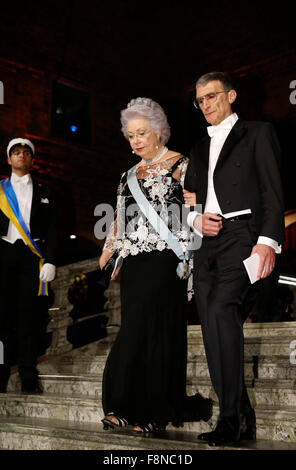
[[177, 163]]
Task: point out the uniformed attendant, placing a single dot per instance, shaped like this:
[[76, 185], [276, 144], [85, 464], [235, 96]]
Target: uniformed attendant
[[28, 241]]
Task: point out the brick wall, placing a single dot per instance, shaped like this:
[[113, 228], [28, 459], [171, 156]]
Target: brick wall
[[119, 51]]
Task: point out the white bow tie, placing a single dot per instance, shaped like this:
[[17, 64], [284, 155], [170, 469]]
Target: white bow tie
[[21, 179], [213, 130]]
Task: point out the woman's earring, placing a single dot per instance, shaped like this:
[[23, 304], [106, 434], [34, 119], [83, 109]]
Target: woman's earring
[[133, 151], [156, 147]]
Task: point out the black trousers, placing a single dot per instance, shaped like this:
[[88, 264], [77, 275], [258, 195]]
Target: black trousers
[[19, 281], [220, 285]]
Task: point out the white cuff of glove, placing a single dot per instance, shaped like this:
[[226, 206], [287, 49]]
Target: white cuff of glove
[[48, 272]]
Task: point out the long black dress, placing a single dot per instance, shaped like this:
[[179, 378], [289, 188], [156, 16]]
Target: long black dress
[[145, 374]]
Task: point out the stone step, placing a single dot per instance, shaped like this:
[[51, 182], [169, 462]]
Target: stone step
[[256, 366], [44, 434], [257, 330], [271, 420], [85, 365], [274, 367], [84, 385], [273, 345], [270, 372], [254, 333], [276, 392], [75, 408], [278, 423], [253, 346]]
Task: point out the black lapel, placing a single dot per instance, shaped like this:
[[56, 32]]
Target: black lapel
[[237, 132], [204, 150], [35, 198]]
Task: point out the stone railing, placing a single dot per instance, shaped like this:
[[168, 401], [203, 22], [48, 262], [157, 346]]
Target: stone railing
[[59, 312]]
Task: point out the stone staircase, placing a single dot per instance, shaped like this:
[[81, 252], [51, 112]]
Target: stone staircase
[[67, 415]]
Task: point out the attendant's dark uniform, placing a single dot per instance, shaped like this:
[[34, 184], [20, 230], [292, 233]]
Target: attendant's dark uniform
[[19, 283]]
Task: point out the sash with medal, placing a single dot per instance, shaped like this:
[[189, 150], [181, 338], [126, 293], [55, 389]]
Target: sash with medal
[[10, 207]]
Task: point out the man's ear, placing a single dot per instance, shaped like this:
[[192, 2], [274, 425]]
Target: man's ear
[[9, 160], [232, 96]]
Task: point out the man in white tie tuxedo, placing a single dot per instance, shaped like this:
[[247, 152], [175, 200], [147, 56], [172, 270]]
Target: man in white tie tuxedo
[[20, 273], [234, 171]]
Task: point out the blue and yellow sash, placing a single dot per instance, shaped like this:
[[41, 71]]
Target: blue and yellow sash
[[10, 207]]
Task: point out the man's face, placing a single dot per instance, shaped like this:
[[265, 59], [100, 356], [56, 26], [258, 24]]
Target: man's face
[[20, 159], [215, 108]]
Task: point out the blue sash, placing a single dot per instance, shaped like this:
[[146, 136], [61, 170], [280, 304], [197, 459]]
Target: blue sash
[[183, 268]]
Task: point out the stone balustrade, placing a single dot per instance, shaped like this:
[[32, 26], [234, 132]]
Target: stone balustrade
[[59, 312]]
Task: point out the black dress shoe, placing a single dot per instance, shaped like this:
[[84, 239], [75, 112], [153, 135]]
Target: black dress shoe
[[32, 387], [248, 426], [35, 391], [226, 432], [3, 386], [4, 378], [206, 436]]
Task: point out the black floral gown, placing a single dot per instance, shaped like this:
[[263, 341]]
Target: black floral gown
[[144, 378]]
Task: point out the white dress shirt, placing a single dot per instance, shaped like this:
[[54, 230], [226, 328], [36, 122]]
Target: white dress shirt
[[218, 135], [23, 188]]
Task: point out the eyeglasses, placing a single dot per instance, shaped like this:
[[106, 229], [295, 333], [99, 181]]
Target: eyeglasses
[[209, 97]]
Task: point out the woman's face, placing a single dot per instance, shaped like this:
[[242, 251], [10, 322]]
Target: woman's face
[[143, 140]]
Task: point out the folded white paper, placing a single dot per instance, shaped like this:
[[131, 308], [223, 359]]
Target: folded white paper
[[252, 265]]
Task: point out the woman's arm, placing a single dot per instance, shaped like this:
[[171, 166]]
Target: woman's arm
[[189, 198], [109, 246]]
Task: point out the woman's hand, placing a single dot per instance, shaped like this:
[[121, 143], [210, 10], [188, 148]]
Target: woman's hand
[[104, 258], [189, 198]]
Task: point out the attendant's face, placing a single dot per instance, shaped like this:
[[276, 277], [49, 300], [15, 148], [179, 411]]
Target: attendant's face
[[20, 159], [143, 140], [217, 109]]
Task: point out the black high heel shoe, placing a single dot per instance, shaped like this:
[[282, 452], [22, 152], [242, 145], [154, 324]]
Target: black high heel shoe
[[149, 428], [108, 423]]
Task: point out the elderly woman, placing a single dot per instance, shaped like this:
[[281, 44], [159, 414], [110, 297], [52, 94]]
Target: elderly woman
[[144, 382]]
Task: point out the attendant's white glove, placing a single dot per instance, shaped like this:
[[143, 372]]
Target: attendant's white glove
[[48, 272]]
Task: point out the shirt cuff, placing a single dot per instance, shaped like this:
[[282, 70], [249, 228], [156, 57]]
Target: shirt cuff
[[190, 219], [270, 242]]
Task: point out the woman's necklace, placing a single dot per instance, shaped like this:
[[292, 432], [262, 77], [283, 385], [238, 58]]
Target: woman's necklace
[[154, 159]]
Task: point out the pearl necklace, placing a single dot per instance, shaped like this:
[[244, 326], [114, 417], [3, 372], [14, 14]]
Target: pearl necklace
[[154, 159]]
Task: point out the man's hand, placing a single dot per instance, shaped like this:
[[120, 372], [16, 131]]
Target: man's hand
[[267, 260], [209, 228]]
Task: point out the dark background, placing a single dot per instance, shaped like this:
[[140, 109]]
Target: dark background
[[93, 57]]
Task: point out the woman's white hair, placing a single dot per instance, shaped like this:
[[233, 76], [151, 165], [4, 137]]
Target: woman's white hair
[[151, 111]]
